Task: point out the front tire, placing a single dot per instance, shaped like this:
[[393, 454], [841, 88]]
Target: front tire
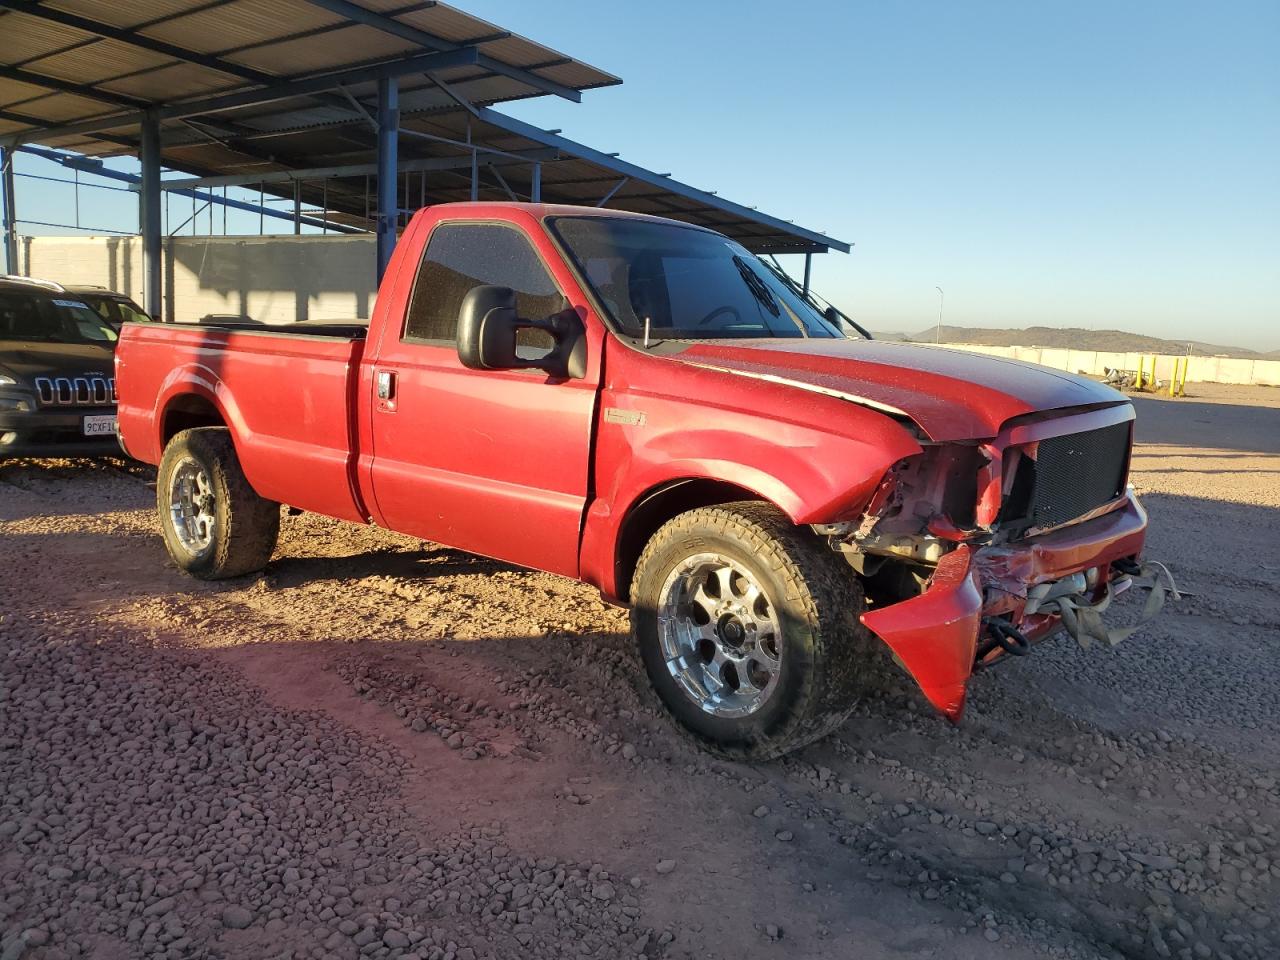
[[213, 522], [748, 628]]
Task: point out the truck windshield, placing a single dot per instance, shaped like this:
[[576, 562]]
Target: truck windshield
[[45, 319], [683, 283]]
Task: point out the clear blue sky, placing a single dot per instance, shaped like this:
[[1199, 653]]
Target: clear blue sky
[[1084, 164]]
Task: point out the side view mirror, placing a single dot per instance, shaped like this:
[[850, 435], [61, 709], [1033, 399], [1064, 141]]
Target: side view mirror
[[487, 329]]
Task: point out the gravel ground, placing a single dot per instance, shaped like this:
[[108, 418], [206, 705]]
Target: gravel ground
[[383, 748]]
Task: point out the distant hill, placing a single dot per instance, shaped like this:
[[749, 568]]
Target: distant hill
[[1075, 338]]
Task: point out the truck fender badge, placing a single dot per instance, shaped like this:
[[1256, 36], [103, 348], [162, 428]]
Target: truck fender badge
[[632, 418]]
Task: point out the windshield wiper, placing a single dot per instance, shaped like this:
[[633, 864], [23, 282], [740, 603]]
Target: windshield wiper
[[757, 286], [831, 313]]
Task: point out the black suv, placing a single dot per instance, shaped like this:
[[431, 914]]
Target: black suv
[[57, 380]]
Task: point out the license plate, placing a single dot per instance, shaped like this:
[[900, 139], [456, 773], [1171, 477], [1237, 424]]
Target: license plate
[[99, 426]]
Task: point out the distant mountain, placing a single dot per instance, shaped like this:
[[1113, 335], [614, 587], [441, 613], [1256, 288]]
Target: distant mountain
[[1075, 338]]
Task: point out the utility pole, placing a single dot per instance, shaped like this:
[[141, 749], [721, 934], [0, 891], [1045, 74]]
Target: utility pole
[[938, 336]]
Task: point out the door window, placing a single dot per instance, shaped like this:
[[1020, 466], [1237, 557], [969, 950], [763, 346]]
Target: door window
[[460, 256]]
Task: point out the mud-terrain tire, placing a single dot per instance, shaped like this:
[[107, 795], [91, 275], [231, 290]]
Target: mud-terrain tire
[[213, 523], [820, 648]]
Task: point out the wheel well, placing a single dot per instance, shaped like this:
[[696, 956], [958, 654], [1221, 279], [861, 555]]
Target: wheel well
[[657, 507], [187, 412]]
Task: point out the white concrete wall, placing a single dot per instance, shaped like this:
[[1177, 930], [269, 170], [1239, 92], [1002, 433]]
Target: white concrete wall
[[1096, 362], [271, 279]]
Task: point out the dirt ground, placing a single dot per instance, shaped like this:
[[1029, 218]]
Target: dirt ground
[[383, 748]]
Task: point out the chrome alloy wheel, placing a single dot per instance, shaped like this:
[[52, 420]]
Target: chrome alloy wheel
[[191, 506], [720, 636]]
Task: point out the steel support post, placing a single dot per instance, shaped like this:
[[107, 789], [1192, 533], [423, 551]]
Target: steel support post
[[535, 187], [149, 214], [808, 265], [8, 208], [388, 140]]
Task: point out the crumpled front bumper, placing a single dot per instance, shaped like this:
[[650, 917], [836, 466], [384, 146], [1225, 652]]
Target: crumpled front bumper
[[936, 634]]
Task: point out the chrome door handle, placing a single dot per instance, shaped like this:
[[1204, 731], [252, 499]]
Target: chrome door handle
[[386, 385]]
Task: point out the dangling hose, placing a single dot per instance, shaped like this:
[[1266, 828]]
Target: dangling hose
[[1084, 620]]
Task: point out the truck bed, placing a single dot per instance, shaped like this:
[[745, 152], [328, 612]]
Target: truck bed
[[288, 393]]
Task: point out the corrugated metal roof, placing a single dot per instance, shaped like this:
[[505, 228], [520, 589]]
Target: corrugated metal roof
[[94, 62], [27, 38], [164, 51], [175, 80], [62, 107], [123, 13], [243, 22], [324, 51], [165, 54]]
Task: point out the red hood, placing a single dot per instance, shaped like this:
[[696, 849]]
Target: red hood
[[949, 394]]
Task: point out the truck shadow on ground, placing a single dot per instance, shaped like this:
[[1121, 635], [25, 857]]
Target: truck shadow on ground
[[429, 563]]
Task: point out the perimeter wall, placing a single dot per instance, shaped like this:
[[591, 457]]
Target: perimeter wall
[[1096, 363], [271, 279]]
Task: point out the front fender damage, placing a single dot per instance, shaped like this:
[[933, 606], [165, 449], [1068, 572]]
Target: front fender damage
[[935, 635], [1030, 590]]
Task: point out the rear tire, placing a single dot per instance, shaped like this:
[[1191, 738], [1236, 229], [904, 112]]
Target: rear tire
[[213, 522], [748, 628]]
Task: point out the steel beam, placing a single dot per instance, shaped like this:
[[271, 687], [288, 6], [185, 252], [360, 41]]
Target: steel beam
[[304, 86], [808, 238], [89, 92], [616, 187], [502, 181], [8, 216], [149, 213], [96, 167], [388, 143], [370, 18], [354, 170]]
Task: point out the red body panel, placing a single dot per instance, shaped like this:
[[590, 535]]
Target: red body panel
[[286, 398], [950, 394], [458, 453], [545, 472], [816, 457]]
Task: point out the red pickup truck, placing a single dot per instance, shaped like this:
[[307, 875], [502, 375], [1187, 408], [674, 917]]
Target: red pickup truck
[[646, 406]]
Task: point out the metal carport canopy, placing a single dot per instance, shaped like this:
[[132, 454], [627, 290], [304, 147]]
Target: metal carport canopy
[[279, 89]]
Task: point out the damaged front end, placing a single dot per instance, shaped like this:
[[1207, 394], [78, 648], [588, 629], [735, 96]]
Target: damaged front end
[[972, 552]]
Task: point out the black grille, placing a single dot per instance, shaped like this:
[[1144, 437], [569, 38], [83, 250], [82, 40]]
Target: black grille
[[1070, 475]]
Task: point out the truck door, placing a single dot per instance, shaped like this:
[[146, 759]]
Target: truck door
[[492, 462]]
